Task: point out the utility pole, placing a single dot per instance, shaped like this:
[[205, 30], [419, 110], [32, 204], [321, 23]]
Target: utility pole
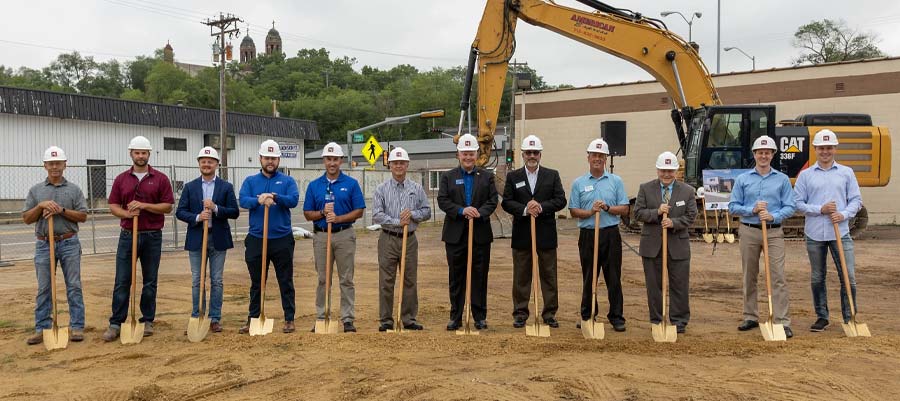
[[225, 25], [512, 103]]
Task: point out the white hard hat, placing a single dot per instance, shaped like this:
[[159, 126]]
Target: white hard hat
[[269, 148], [532, 142], [139, 143], [764, 142], [701, 192], [598, 146], [208, 151], [467, 142], [333, 149], [825, 137], [54, 153], [398, 154], [667, 161]]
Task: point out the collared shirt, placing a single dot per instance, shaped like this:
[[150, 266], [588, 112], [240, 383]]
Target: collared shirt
[[153, 188], [751, 187], [287, 196], [532, 177], [344, 192], [392, 196], [663, 188], [66, 194], [815, 187], [587, 189]]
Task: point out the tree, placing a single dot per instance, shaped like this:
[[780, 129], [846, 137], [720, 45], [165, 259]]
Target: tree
[[829, 41]]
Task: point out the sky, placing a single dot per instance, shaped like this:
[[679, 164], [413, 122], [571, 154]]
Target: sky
[[423, 33]]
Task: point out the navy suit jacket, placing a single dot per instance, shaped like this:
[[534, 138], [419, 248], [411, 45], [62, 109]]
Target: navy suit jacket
[[191, 204]]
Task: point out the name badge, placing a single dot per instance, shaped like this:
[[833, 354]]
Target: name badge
[[679, 203], [588, 188], [460, 182], [520, 184]]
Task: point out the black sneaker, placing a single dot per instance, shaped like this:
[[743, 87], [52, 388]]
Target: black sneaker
[[748, 324], [349, 328], [413, 326], [819, 325], [519, 322], [788, 332], [619, 326], [385, 327], [552, 322]]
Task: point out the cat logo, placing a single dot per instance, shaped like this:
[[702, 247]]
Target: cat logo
[[792, 144]]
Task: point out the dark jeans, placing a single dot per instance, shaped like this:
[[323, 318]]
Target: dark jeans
[[609, 262], [149, 246], [456, 260], [280, 253]]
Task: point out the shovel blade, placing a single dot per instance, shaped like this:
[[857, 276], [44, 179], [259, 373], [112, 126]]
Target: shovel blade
[[260, 326], [56, 338], [851, 329], [537, 330], [772, 331], [467, 330], [663, 333], [706, 237], [132, 333], [729, 238], [197, 329], [327, 326], [592, 330], [720, 238]]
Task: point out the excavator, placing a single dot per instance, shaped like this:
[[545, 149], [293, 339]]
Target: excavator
[[710, 135]]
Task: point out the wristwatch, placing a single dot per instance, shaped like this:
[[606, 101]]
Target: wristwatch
[[606, 209], [322, 212]]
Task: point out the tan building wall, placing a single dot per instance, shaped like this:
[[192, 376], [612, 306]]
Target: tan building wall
[[567, 120]]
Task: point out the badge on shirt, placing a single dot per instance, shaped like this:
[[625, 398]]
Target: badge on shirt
[[588, 188], [520, 184], [460, 181], [679, 203]]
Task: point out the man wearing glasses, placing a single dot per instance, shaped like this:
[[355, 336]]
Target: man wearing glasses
[[147, 193], [335, 198]]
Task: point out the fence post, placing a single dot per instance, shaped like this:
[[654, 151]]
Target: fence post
[[2, 262]]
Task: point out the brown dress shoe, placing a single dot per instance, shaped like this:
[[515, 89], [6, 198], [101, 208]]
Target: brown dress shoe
[[111, 334], [288, 327], [244, 329], [77, 335], [35, 338], [215, 327]]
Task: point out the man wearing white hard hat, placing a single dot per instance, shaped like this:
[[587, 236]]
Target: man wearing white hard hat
[[467, 193], [827, 193], [533, 191], [398, 202], [602, 192], [58, 199], [667, 204], [277, 191], [335, 198], [763, 194], [145, 192], [211, 199]]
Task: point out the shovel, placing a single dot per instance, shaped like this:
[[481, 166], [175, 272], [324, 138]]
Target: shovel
[[537, 328], [707, 236], [55, 338], [467, 329], [399, 321], [133, 331], [664, 332], [720, 238], [260, 326], [729, 236], [198, 327], [590, 328], [327, 325], [851, 328], [771, 331]]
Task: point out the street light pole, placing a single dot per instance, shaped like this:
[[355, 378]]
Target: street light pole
[[752, 58], [690, 22]]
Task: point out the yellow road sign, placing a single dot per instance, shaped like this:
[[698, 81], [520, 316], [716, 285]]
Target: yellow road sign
[[372, 150]]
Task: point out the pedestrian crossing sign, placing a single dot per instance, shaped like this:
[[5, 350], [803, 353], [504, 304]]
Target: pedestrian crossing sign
[[372, 150]]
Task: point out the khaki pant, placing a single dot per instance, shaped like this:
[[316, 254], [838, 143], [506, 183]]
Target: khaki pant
[[343, 250], [751, 254], [389, 249]]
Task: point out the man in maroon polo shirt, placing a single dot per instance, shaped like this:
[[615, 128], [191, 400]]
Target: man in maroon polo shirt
[[147, 193]]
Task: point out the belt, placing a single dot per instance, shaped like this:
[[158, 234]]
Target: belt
[[398, 235], [333, 229], [57, 237], [760, 226], [141, 231]]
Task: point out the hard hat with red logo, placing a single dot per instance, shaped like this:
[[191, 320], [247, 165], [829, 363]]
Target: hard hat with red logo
[[532, 142], [764, 142], [54, 154], [825, 137], [398, 154], [270, 148], [598, 146], [667, 161], [333, 149], [467, 142], [209, 152]]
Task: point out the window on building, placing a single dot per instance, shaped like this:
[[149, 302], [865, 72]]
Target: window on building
[[174, 144], [434, 179]]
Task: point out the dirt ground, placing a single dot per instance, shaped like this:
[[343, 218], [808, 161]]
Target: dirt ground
[[712, 361]]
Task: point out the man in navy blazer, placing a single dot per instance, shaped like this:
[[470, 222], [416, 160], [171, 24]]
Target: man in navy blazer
[[208, 198]]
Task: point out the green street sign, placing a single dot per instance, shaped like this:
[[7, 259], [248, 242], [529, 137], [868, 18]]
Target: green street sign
[[357, 138]]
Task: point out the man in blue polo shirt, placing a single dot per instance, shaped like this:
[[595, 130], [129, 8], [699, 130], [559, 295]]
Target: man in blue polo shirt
[[604, 193], [335, 198], [763, 194], [279, 192]]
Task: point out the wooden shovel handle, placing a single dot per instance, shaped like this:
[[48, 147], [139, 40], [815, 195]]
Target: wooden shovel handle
[[51, 234], [265, 263], [844, 271], [594, 274], [203, 255], [134, 242], [665, 272], [765, 237], [328, 273]]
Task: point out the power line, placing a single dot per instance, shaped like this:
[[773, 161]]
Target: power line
[[86, 52]]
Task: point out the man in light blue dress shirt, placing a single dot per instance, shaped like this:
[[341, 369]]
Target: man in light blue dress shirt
[[827, 193]]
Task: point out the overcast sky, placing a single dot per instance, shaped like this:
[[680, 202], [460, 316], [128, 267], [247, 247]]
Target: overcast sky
[[424, 33]]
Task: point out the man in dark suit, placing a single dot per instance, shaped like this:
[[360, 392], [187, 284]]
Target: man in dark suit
[[208, 198], [467, 193], [666, 195], [533, 190]]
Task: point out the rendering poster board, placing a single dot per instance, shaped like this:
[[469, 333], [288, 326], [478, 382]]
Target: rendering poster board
[[717, 185]]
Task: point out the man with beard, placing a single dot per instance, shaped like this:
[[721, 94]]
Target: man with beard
[[208, 199], [279, 192], [533, 191], [145, 192]]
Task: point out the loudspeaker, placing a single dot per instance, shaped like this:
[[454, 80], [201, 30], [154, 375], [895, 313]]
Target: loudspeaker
[[613, 132]]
